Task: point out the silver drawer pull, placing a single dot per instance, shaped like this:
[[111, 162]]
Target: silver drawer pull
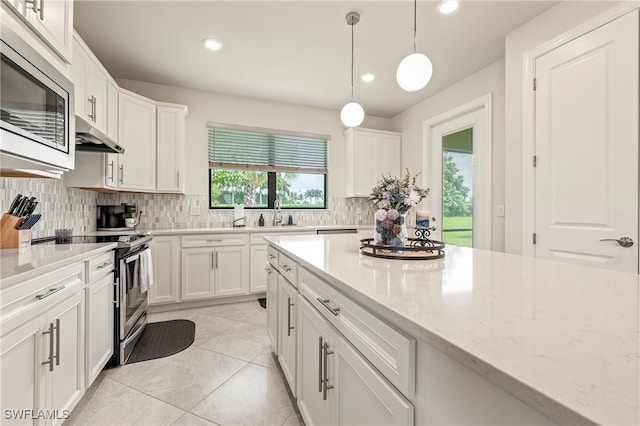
[[271, 256], [215, 241], [49, 293], [269, 270], [286, 267], [104, 265], [325, 303], [325, 380]]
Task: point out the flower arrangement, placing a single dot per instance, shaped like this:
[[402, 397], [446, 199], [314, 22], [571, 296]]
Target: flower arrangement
[[395, 198], [398, 194]]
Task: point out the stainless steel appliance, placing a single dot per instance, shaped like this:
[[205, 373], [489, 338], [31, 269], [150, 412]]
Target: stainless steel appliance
[[113, 218], [131, 300], [37, 119], [88, 138]]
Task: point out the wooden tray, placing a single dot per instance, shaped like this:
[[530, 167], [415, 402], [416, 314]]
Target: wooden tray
[[412, 250]]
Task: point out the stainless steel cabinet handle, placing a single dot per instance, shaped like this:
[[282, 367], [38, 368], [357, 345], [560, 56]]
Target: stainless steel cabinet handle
[[34, 5], [623, 241], [271, 256], [92, 116], [49, 293], [286, 267], [104, 265], [215, 241], [325, 380], [42, 10], [116, 289], [269, 271], [122, 173], [57, 327], [320, 350], [111, 169], [216, 259], [50, 333], [289, 328], [325, 303]]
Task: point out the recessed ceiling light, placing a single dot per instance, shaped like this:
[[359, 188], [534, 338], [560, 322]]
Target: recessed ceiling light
[[448, 6], [368, 78], [212, 44]]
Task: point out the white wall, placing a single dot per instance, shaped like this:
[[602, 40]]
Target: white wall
[[544, 27], [410, 123], [219, 108]]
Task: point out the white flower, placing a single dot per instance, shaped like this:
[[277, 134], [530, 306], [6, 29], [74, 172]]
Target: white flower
[[412, 198], [393, 214]]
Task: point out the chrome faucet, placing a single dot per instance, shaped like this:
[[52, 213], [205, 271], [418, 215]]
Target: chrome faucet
[[277, 214]]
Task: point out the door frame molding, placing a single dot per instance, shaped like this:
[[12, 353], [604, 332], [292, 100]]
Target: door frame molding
[[528, 113], [482, 179]]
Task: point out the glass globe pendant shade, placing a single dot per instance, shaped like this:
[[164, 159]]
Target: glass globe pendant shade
[[352, 114], [414, 72]]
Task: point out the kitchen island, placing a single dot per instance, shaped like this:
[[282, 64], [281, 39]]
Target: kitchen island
[[561, 338]]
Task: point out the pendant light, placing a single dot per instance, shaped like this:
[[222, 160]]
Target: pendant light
[[352, 114], [414, 72]]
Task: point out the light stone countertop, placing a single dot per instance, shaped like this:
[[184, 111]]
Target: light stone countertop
[[561, 337], [17, 265], [230, 230]]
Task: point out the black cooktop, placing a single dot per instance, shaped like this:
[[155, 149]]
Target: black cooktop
[[85, 239]]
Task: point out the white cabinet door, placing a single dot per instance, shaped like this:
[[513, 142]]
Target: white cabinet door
[[171, 146], [54, 22], [258, 279], [232, 267], [23, 376], [66, 384], [363, 396], [137, 134], [96, 96], [79, 79], [369, 154], [287, 340], [198, 272], [272, 305], [313, 332], [112, 111], [166, 269], [99, 326]]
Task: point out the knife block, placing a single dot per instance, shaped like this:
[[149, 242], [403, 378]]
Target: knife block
[[10, 237]]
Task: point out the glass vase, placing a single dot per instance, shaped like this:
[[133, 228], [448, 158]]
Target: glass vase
[[389, 228]]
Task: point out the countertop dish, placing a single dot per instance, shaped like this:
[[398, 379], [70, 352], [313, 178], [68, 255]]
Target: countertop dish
[[562, 338], [17, 265]]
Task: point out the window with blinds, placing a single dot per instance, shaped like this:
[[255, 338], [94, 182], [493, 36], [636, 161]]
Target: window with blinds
[[255, 168]]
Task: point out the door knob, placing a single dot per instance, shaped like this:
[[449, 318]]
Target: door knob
[[623, 241]]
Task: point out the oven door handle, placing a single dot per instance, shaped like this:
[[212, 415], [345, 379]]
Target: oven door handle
[[132, 258]]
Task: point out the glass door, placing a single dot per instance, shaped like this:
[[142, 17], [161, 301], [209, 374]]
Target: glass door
[[457, 188]]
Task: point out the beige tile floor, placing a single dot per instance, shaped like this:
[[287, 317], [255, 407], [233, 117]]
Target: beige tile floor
[[227, 377]]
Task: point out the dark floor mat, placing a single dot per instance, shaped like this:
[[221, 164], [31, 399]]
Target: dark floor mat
[[161, 339], [263, 302]]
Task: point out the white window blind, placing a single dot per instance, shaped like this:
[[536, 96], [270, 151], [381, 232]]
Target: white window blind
[[232, 149]]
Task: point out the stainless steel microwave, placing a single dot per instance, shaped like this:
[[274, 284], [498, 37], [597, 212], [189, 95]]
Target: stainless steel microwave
[[36, 106]]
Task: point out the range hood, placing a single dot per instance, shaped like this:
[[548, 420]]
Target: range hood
[[88, 138]]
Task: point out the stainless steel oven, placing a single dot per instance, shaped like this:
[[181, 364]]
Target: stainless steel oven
[[36, 105], [132, 296]]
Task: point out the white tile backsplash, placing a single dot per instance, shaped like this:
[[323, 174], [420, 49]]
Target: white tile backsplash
[[63, 207]]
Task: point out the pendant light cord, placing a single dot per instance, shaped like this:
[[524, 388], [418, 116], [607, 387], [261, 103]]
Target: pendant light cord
[[415, 20], [352, 59]]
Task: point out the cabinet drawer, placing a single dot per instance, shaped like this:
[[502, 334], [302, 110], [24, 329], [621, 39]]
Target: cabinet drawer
[[392, 352], [288, 268], [214, 240], [41, 291], [272, 256], [99, 266]]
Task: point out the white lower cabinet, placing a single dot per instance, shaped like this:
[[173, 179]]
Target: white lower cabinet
[[99, 325], [165, 252], [214, 271], [23, 377], [287, 301], [66, 331], [258, 279], [336, 384], [272, 306]]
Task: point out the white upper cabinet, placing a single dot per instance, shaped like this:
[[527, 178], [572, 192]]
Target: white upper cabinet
[[369, 154], [90, 81], [51, 20], [137, 134], [170, 148]]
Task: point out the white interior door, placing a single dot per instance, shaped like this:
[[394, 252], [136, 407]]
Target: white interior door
[[586, 147]]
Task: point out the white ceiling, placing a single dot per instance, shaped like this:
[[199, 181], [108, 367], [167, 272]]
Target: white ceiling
[[297, 51]]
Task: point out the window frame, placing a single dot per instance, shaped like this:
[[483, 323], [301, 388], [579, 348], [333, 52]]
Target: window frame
[[271, 174]]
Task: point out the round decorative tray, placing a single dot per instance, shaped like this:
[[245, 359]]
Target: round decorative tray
[[414, 249]]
